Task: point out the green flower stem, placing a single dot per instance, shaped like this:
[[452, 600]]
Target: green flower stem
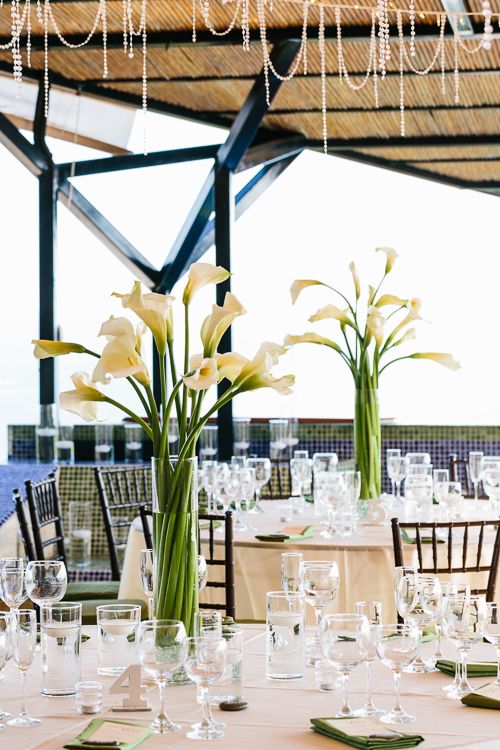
[[154, 418], [147, 429], [173, 375], [166, 416], [368, 441], [183, 425]]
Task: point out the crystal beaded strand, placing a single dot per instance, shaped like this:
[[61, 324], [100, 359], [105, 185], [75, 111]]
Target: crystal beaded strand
[[305, 11], [488, 28], [28, 32], [322, 57], [442, 22], [144, 74], [105, 70], [401, 74], [340, 59], [456, 71], [245, 25], [412, 29], [46, 83], [265, 49], [374, 59], [193, 21]]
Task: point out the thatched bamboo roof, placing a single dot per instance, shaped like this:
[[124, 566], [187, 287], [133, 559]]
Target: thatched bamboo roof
[[210, 80]]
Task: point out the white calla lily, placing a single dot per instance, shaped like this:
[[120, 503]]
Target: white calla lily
[[331, 311], [155, 310], [310, 338], [391, 299], [45, 349], [83, 399], [355, 278], [230, 364], [200, 275], [300, 284], [256, 373], [120, 357], [446, 360], [391, 256], [203, 376], [375, 322], [216, 324]]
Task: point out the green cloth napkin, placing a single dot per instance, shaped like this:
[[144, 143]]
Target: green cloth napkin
[[481, 669], [487, 696], [307, 533], [94, 726], [382, 737], [424, 538], [206, 525]]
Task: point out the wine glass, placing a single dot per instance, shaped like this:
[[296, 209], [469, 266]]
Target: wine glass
[[409, 606], [46, 581], [397, 647], [202, 573], [262, 468], [430, 595], [345, 643], [12, 582], [208, 624], [324, 462], [476, 470], [147, 563], [449, 588], [418, 488], [440, 480], [332, 491], [301, 469], [233, 491], [247, 490], [492, 632], [450, 498], [291, 564], [162, 649], [373, 613], [418, 458], [205, 663], [464, 624], [238, 462], [399, 469], [5, 625], [209, 480], [390, 455], [320, 582], [221, 475], [491, 479], [23, 638]]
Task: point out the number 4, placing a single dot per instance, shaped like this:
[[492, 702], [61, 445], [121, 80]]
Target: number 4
[[129, 682]]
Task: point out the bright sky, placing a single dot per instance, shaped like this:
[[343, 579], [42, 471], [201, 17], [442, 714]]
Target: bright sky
[[320, 214]]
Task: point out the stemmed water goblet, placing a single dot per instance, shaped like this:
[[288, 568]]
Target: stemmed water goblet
[[162, 649], [332, 492], [440, 480], [205, 663], [397, 647], [46, 581], [373, 613], [147, 566], [490, 476], [449, 588], [465, 622], [5, 649], [451, 496], [23, 634], [202, 573], [492, 632], [209, 480], [419, 488], [345, 643], [430, 595], [301, 470], [232, 488], [262, 467], [319, 581], [390, 455], [476, 470], [408, 603], [247, 490], [12, 582], [291, 566], [221, 475], [399, 469]]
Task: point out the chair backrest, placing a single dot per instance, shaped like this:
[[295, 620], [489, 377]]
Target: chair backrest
[[460, 472], [216, 562], [45, 514], [473, 557], [24, 527], [124, 493]]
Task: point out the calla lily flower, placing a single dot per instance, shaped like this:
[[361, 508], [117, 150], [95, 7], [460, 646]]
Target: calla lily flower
[[408, 336], [204, 375], [447, 360], [310, 338], [414, 306], [355, 278], [82, 400], [331, 311], [391, 299], [201, 274], [375, 322], [391, 256], [257, 372], [300, 284], [230, 364], [45, 349], [120, 358], [155, 310], [216, 324]]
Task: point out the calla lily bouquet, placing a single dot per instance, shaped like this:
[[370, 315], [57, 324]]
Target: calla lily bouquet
[[175, 519], [370, 341]]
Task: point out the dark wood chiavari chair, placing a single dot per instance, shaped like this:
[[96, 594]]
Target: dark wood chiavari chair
[[208, 548]]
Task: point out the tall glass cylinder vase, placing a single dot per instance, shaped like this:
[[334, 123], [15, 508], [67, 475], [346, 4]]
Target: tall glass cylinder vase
[[175, 539], [367, 439]]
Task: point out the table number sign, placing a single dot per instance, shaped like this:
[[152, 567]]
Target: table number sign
[[129, 684]]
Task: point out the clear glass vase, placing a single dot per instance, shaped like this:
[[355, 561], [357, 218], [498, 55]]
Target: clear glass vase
[[367, 439], [175, 539]]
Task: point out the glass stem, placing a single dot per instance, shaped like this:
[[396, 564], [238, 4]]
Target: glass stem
[[439, 632], [346, 709], [398, 489], [317, 614], [397, 687], [151, 608], [207, 718], [476, 490], [23, 712], [393, 487], [257, 498], [161, 709], [463, 685], [369, 701]]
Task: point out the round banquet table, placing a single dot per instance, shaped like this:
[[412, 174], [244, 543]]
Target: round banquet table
[[365, 562], [278, 714]]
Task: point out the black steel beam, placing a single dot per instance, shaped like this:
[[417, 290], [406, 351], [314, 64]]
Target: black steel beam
[[28, 154], [107, 233], [372, 110], [271, 151], [245, 198], [230, 154], [337, 145], [224, 220], [183, 37], [137, 161]]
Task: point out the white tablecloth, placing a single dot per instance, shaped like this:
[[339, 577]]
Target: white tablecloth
[[278, 714]]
